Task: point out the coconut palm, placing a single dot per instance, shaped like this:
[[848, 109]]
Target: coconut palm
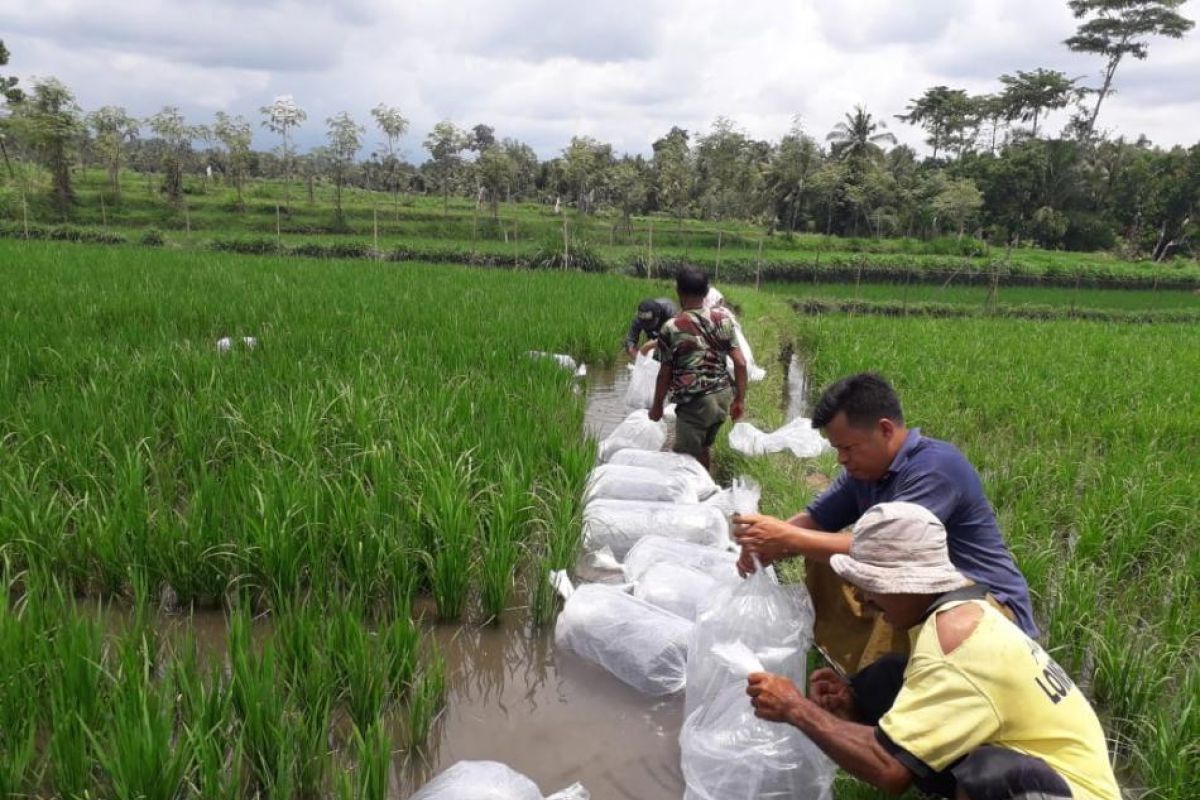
[[858, 139]]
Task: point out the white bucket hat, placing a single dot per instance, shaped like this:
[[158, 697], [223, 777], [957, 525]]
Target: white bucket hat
[[899, 548]]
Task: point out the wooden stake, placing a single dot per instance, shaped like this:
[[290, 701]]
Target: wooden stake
[[566, 245], [103, 212], [758, 269], [278, 228], [375, 213]]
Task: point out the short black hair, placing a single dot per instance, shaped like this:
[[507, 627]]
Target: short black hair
[[691, 282], [865, 398]]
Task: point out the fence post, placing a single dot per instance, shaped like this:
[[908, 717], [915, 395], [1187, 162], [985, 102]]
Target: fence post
[[758, 268], [278, 229], [375, 214], [25, 213], [566, 244], [650, 251], [1075, 297], [907, 280], [103, 212], [718, 255]]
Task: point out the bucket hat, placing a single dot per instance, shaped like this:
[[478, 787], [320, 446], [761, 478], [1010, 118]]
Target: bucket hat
[[899, 548]]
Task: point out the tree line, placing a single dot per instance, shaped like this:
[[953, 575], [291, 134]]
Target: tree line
[[994, 171]]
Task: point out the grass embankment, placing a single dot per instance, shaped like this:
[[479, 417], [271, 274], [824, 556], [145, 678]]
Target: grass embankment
[[1086, 437], [387, 444], [527, 234]]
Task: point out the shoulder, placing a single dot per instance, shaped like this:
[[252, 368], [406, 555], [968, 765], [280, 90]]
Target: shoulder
[[937, 457], [955, 625]]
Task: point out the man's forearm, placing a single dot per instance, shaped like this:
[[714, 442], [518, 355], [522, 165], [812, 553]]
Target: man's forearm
[[818, 545], [852, 746], [661, 386], [739, 380]]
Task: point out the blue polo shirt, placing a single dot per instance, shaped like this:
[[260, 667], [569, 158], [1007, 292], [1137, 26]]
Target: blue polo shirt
[[934, 474]]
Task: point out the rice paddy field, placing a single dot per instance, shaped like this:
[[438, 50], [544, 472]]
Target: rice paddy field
[[1088, 439], [387, 465]]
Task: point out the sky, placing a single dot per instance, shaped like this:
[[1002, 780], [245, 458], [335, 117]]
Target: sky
[[622, 71]]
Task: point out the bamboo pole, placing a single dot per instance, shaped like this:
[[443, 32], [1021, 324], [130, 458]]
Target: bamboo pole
[[718, 276]]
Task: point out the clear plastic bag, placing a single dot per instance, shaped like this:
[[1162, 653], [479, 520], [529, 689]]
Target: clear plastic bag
[[774, 621], [727, 753], [642, 645], [754, 373], [799, 436], [718, 563], [674, 464], [637, 432], [619, 482], [489, 780], [643, 375], [681, 590], [620, 524], [742, 497]]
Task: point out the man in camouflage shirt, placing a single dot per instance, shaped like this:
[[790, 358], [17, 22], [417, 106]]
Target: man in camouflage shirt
[[692, 348]]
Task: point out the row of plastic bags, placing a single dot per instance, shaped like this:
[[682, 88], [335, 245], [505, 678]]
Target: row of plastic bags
[[490, 780]]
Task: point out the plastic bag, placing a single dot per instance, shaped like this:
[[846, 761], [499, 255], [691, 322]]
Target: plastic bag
[[620, 482], [799, 436], [754, 372], [742, 497], [675, 464], [564, 361], [639, 643], [774, 621], [642, 379], [718, 563], [637, 432], [681, 590], [619, 524], [727, 753], [489, 780]]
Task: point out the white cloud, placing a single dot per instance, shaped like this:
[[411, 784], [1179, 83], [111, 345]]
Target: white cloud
[[542, 71]]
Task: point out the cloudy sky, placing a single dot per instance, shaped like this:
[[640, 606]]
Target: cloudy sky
[[623, 71]]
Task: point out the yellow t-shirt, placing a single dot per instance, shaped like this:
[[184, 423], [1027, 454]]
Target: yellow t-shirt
[[998, 687]]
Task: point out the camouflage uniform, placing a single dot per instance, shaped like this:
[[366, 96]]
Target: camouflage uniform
[[695, 344]]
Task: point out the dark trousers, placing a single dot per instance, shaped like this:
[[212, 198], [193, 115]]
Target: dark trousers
[[986, 773]]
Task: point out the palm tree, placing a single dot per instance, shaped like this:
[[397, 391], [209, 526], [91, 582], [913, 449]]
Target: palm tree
[[857, 139]]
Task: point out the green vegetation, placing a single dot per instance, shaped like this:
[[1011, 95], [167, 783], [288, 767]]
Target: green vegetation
[[387, 440], [1086, 438]]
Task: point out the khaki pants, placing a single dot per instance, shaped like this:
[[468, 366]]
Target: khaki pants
[[851, 636]]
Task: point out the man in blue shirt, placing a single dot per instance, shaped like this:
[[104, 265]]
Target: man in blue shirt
[[884, 461]]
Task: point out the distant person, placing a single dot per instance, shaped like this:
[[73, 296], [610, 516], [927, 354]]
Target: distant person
[[883, 460], [979, 711], [651, 315], [692, 351]]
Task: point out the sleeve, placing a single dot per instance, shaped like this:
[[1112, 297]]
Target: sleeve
[[635, 333], [664, 344], [939, 716], [930, 489], [836, 507], [729, 333]]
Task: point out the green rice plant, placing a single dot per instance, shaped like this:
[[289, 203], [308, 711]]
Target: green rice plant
[[308, 728], [450, 527], [508, 510], [139, 752], [425, 700], [1169, 743], [373, 769], [398, 652], [362, 682], [259, 704], [18, 755], [1132, 675]]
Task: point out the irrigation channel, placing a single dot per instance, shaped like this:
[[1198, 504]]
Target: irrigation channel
[[511, 698]]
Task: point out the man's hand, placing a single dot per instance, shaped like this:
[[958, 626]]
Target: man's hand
[[656, 412], [774, 697], [631, 351], [767, 537], [648, 347], [746, 565], [737, 409], [827, 689]]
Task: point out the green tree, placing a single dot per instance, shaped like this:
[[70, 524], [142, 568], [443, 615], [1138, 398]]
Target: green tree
[[114, 129], [170, 126], [789, 174], [585, 166], [942, 112], [11, 96], [859, 139], [446, 143], [345, 140], [394, 125], [282, 116], [1114, 29], [496, 173], [1028, 95], [958, 201], [235, 135], [728, 171], [524, 165], [630, 189], [673, 172], [50, 122]]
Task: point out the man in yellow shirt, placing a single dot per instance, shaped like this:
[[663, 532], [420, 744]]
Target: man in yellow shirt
[[980, 711]]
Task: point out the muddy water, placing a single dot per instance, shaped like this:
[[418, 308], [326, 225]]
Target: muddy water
[[514, 699]]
